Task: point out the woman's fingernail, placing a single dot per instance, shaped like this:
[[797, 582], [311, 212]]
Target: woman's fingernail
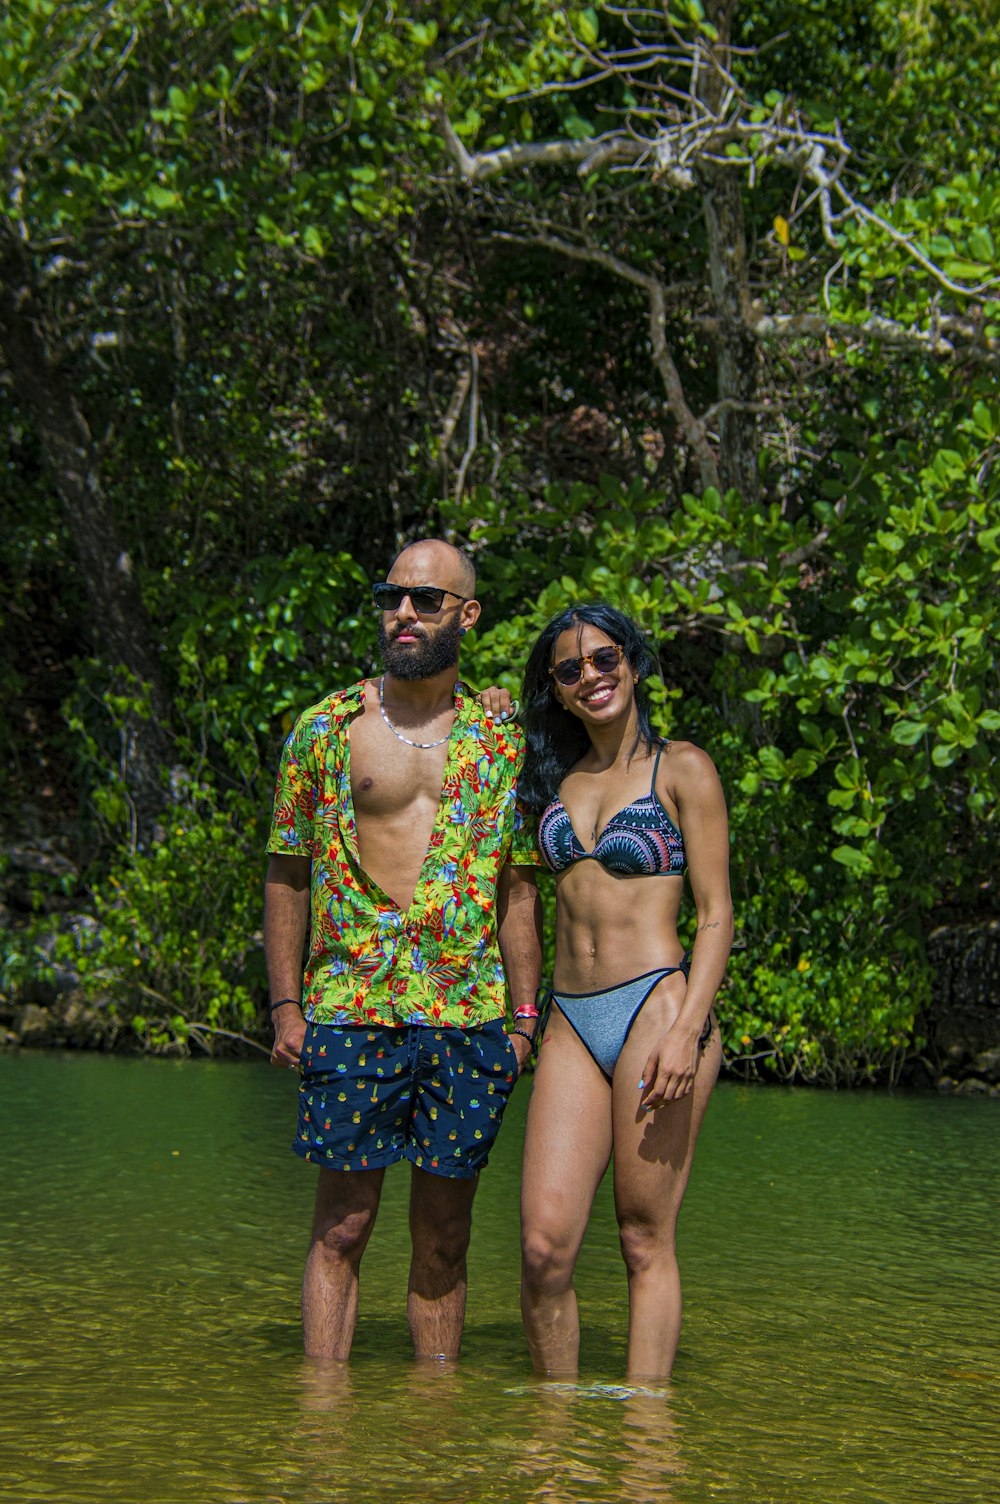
[[641, 1085]]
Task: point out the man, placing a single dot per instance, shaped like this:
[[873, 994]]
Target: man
[[397, 843]]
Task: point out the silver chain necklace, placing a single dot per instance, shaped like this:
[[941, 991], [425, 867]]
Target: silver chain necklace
[[398, 734]]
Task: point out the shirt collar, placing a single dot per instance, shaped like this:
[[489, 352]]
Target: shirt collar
[[349, 701]]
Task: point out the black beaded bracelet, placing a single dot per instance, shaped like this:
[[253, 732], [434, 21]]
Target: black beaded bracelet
[[524, 1035], [281, 1003]]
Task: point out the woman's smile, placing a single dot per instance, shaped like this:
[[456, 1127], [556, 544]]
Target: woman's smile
[[599, 695]]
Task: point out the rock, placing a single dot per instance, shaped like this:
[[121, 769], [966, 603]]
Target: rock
[[34, 1025], [55, 974], [987, 1063], [81, 1023], [26, 864], [41, 856], [972, 1088]]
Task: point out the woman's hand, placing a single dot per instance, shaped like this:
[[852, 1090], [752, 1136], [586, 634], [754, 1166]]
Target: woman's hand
[[497, 703], [670, 1069]]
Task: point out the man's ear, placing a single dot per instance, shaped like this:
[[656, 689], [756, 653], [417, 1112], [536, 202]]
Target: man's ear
[[469, 614]]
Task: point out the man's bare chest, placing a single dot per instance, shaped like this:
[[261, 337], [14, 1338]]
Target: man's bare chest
[[388, 777]]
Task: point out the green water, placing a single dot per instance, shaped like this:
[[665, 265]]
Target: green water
[[839, 1261]]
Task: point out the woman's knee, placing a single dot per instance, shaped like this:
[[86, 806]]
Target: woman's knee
[[644, 1243], [547, 1259]]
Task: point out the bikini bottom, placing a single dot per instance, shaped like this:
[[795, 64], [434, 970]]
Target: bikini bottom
[[604, 1019]]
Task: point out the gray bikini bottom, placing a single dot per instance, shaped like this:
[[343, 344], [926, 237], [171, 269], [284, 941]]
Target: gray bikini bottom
[[603, 1019]]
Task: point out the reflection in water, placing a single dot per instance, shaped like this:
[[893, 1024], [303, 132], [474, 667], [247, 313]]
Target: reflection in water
[[596, 1441], [151, 1346], [327, 1388], [553, 1443], [650, 1455], [322, 1447]]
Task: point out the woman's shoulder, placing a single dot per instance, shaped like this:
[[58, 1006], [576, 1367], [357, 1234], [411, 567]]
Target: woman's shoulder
[[680, 751], [685, 763]]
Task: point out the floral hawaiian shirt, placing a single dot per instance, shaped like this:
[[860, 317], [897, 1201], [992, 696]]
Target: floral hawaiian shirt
[[369, 962]]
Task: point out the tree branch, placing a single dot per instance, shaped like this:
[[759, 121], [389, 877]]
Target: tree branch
[[473, 438], [488, 164], [677, 148], [656, 295], [949, 339]]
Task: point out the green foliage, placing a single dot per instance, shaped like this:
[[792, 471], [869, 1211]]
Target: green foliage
[[850, 709], [828, 975], [249, 255], [179, 953], [258, 657]]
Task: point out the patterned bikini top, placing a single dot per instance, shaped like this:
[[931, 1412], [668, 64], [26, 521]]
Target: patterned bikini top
[[640, 840]]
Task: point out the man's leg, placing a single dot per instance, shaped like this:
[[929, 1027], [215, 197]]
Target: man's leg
[[440, 1226], [346, 1206]]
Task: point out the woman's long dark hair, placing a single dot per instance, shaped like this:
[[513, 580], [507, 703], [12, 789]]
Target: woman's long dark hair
[[555, 739]]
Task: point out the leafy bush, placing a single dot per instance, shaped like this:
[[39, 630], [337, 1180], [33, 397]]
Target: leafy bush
[[179, 953], [847, 701]]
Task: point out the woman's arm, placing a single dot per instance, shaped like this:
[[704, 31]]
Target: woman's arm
[[693, 784]]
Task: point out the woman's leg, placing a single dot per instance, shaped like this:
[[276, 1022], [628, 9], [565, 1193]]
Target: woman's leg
[[567, 1147], [653, 1156]]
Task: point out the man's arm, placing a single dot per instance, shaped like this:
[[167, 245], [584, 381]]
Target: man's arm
[[286, 920], [519, 931]]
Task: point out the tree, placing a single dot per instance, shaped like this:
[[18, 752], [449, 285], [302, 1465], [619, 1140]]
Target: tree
[[692, 308], [163, 168], [669, 112]]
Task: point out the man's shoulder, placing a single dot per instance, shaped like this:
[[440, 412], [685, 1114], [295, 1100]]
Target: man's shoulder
[[331, 711], [339, 703], [503, 740]]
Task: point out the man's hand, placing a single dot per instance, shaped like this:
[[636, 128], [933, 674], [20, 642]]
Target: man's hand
[[286, 918], [522, 1049], [497, 703], [289, 1032], [519, 931]]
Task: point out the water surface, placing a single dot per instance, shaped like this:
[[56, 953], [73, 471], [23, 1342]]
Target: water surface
[[838, 1253]]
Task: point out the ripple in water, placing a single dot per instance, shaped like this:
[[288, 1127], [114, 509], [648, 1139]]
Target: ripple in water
[[838, 1255]]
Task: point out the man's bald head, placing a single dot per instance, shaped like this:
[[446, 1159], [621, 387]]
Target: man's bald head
[[432, 561]]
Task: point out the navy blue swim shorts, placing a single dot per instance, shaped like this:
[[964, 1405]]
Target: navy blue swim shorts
[[370, 1096]]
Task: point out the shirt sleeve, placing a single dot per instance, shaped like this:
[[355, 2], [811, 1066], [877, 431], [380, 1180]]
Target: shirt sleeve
[[293, 818], [524, 850]]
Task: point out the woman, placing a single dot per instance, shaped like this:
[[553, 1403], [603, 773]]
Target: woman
[[631, 1049]]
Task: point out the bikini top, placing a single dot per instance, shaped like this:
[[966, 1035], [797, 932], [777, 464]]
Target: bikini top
[[640, 840]]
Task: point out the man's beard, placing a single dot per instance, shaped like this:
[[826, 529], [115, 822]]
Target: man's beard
[[425, 657]]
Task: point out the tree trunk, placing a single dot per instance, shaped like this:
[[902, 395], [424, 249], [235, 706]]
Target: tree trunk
[[120, 625], [736, 349]]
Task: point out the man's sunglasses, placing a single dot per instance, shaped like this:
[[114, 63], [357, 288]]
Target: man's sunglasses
[[425, 599], [605, 661]]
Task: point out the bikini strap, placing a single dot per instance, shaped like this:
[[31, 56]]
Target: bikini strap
[[659, 753], [543, 1001]]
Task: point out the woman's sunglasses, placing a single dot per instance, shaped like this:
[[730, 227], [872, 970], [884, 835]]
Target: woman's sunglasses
[[605, 661], [425, 599]]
